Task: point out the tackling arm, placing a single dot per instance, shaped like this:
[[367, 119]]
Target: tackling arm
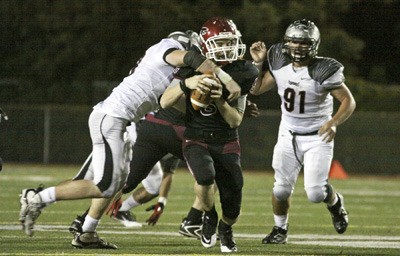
[[195, 60], [176, 91]]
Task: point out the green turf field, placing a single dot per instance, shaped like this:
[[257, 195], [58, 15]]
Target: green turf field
[[372, 202]]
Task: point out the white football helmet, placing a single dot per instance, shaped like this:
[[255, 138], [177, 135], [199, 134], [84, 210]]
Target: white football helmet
[[305, 32]]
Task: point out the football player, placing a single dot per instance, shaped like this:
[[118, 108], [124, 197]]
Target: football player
[[307, 85], [159, 135], [211, 141], [157, 182], [135, 96]]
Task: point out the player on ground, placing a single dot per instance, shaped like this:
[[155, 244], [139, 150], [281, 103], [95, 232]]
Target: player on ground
[[211, 144], [135, 96], [306, 84]]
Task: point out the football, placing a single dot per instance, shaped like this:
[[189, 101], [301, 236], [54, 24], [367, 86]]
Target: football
[[200, 100]]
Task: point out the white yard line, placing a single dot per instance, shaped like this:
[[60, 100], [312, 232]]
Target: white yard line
[[358, 241]]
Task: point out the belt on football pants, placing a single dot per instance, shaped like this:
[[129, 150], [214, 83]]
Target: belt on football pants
[[294, 143], [210, 136]]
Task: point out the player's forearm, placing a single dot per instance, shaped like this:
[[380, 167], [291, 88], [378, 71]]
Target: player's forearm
[[175, 58], [171, 96], [263, 83], [347, 104], [345, 110], [231, 115], [165, 186]]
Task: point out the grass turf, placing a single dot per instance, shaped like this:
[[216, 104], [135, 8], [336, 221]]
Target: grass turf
[[371, 201]]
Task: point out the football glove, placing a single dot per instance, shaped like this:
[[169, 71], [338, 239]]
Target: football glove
[[114, 207], [158, 210]]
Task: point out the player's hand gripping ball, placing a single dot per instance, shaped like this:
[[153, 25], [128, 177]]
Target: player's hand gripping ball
[[201, 99]]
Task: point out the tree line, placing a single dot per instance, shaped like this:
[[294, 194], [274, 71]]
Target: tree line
[[75, 52]]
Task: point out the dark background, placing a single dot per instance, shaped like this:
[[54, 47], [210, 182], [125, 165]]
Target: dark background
[[60, 57], [74, 52]]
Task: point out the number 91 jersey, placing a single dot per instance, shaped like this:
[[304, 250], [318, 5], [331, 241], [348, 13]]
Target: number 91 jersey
[[304, 91]]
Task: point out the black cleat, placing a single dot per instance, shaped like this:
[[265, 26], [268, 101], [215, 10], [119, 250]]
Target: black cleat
[[226, 237], [90, 240], [127, 219], [277, 236], [190, 229], [76, 225], [340, 218], [208, 231]]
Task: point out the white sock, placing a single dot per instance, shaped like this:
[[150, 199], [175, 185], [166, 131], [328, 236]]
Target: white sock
[[128, 204], [281, 220], [90, 224], [48, 195]]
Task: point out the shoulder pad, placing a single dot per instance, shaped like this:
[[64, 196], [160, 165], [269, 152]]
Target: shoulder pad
[[276, 57], [322, 68]]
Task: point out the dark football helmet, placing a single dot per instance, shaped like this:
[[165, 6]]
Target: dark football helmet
[[221, 41], [188, 39], [181, 37], [305, 32]]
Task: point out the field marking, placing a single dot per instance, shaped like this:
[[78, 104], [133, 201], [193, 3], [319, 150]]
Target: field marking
[[357, 241], [355, 192]]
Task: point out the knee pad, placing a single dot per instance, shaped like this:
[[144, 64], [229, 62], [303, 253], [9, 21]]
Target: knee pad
[[205, 180], [316, 194], [169, 163], [231, 205], [282, 192]]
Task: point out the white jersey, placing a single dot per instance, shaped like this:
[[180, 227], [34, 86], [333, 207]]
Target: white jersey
[[139, 92], [306, 101]]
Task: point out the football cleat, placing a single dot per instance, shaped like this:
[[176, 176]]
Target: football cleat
[[277, 236], [190, 229], [76, 225], [90, 240], [340, 218], [127, 219], [208, 231], [225, 235], [31, 207]]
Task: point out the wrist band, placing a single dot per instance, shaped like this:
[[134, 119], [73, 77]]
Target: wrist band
[[162, 200], [259, 65], [182, 85]]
